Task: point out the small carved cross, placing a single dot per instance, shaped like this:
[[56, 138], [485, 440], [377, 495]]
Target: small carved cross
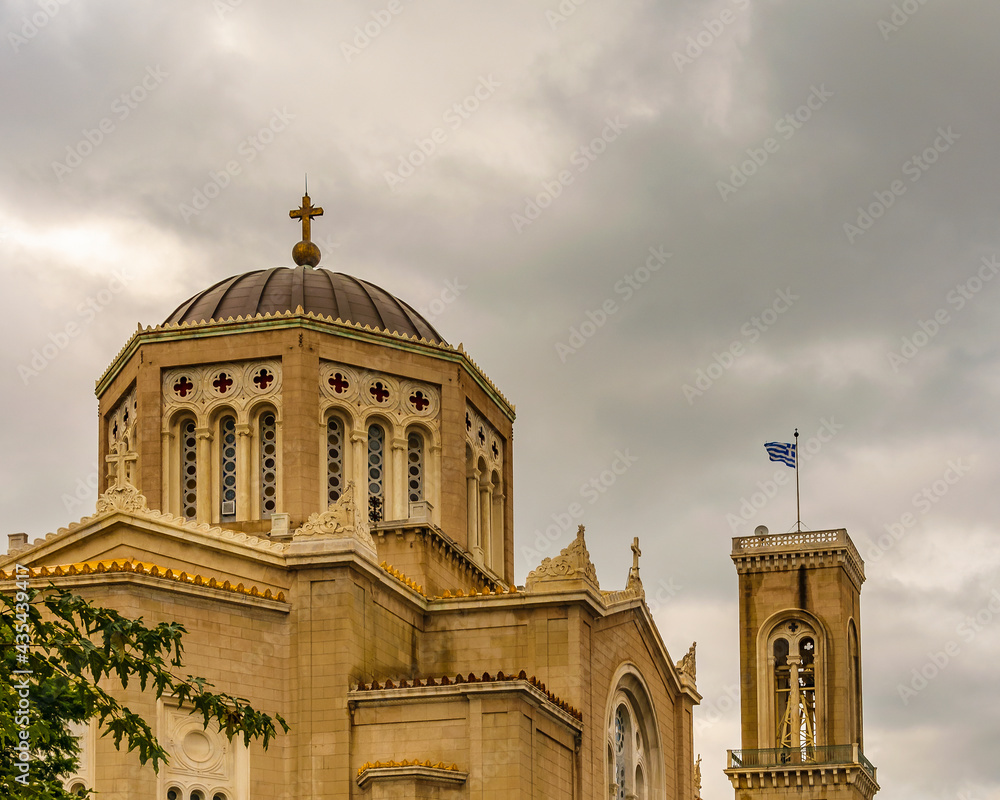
[[306, 212], [119, 462], [468, 422], [636, 552]]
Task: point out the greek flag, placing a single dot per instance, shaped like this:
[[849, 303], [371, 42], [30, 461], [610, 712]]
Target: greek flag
[[781, 451]]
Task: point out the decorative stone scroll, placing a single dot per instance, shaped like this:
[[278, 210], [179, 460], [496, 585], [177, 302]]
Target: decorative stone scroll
[[572, 564], [686, 666], [342, 520]]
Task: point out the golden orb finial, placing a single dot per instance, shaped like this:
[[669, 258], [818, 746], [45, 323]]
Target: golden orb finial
[[306, 253]]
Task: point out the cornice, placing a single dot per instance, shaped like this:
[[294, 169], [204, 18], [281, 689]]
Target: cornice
[[309, 321]]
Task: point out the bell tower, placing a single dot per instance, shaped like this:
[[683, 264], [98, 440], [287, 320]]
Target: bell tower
[[800, 667]]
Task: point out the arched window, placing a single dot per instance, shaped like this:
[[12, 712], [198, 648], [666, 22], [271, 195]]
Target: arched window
[[227, 468], [415, 467], [268, 428], [189, 469], [630, 757], [854, 693], [376, 473], [78, 789], [334, 459], [793, 656], [173, 793]]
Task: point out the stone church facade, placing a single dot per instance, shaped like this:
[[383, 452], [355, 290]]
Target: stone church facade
[[303, 473]]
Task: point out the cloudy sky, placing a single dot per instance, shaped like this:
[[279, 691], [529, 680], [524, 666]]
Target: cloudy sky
[[669, 231]]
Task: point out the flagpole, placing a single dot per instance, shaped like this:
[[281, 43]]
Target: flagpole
[[798, 510]]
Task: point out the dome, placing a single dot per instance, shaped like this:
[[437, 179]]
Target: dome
[[320, 291]]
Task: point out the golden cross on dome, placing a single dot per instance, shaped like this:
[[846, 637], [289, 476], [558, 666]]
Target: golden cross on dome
[[306, 212], [305, 252]]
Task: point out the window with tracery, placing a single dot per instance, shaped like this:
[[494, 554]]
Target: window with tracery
[[793, 650], [415, 467], [227, 468], [268, 465], [189, 469], [628, 751], [334, 460], [376, 473]]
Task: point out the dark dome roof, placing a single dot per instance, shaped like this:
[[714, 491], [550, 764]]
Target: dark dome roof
[[320, 291]]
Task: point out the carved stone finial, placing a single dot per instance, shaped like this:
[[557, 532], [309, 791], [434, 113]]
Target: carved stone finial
[[634, 583], [341, 520], [572, 564], [697, 778], [686, 666], [122, 497]]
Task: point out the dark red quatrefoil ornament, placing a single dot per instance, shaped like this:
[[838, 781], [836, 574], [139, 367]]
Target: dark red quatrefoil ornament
[[339, 383], [183, 387], [419, 401], [379, 392], [263, 379], [222, 383]]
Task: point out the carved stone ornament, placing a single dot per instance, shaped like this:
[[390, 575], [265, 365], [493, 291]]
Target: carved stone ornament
[[122, 497], [573, 563], [686, 666], [340, 521]]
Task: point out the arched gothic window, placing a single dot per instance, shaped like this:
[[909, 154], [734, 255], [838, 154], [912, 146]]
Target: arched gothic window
[[227, 468], [268, 440], [334, 459], [793, 656], [633, 757], [415, 467], [189, 469], [376, 473]]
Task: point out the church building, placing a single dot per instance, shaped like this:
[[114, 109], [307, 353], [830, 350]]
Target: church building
[[300, 470], [308, 477]]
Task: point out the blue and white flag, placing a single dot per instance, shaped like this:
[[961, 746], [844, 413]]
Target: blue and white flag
[[781, 451]]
